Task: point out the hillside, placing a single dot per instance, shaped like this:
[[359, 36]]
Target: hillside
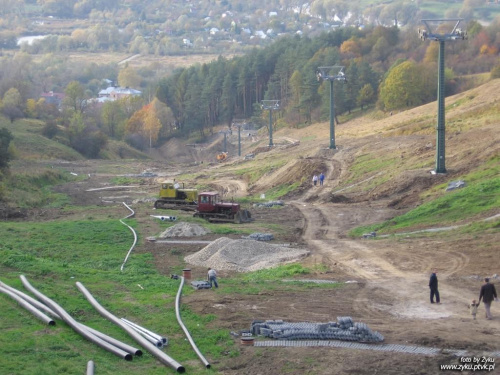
[[380, 173], [389, 157]]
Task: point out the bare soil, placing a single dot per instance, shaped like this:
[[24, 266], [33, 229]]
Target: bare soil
[[391, 292]]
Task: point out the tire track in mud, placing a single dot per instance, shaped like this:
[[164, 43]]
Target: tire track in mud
[[354, 258], [366, 308]]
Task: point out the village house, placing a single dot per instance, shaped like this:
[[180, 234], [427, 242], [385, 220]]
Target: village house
[[52, 97]]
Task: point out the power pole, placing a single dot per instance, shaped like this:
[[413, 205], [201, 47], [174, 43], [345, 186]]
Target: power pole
[[455, 34], [239, 124], [331, 74], [270, 105]]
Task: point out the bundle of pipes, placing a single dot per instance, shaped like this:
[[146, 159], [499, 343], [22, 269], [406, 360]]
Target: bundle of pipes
[[40, 315], [108, 343], [116, 347], [152, 337], [161, 356]]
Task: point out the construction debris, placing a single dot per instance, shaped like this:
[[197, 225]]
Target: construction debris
[[164, 218], [369, 235], [455, 185], [269, 204]]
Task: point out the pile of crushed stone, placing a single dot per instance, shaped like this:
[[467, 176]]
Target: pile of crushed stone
[[184, 229], [243, 255]]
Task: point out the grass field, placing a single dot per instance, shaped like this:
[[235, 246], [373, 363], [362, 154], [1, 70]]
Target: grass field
[[54, 255]]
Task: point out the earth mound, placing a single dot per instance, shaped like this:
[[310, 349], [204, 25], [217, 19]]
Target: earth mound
[[243, 255], [184, 230]]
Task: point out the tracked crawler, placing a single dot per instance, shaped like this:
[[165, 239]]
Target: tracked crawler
[[212, 208], [173, 195]]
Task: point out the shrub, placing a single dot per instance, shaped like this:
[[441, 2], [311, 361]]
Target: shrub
[[49, 130], [495, 72]]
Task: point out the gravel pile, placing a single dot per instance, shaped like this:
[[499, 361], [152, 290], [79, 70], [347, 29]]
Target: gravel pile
[[184, 230], [243, 255]]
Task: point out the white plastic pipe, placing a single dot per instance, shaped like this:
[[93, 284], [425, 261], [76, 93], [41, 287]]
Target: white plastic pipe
[[161, 356], [41, 306], [188, 335], [90, 368], [133, 231], [74, 324], [151, 339], [150, 333], [40, 315]]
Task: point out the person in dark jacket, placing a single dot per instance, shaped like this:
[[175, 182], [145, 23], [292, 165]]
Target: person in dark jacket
[[488, 293], [433, 285]]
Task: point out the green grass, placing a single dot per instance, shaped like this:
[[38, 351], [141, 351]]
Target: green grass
[[275, 193], [29, 190], [367, 164], [56, 254], [267, 280], [280, 191], [256, 169], [31, 145], [122, 180], [449, 208]]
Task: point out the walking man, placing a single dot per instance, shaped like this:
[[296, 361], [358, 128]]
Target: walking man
[[433, 285], [212, 278], [321, 179], [315, 180], [487, 294]]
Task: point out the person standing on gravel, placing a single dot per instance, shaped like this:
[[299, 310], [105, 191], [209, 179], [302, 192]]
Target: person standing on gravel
[[321, 179], [487, 294], [433, 285], [315, 179], [212, 278]]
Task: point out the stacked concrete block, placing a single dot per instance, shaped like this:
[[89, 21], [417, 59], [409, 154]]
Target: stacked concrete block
[[343, 329], [260, 237]]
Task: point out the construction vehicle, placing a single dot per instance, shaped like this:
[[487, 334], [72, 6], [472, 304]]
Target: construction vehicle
[[222, 156], [212, 208], [174, 196]]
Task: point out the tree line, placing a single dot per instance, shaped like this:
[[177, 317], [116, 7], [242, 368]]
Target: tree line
[[386, 67]]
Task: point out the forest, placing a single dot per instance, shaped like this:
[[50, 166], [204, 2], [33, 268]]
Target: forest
[[387, 69]]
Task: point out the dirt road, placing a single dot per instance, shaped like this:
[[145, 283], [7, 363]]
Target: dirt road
[[394, 274]]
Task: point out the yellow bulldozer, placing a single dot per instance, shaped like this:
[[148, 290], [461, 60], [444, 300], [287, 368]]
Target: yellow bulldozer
[[173, 195]]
